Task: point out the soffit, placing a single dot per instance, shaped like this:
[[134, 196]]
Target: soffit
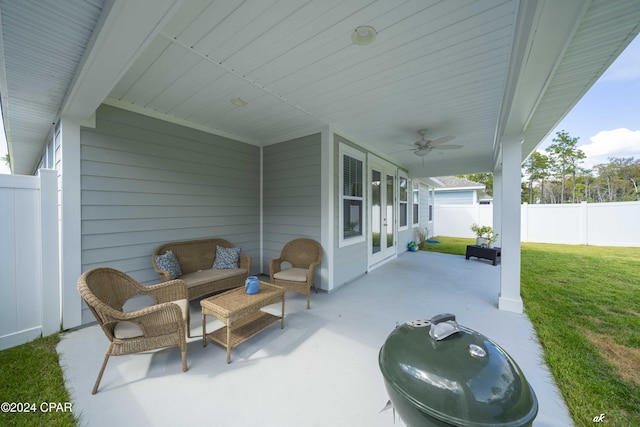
[[42, 47], [446, 66]]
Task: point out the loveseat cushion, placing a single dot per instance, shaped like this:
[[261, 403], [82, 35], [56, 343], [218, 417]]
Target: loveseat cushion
[[226, 257], [206, 276], [169, 262]]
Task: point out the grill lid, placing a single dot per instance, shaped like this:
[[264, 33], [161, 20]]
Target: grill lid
[[456, 375]]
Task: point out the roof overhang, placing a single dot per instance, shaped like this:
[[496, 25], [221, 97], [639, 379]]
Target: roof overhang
[[484, 72]]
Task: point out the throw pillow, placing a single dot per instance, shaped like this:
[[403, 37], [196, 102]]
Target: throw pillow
[[169, 262], [226, 257]]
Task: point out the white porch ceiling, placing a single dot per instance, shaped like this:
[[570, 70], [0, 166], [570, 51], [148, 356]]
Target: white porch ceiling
[[477, 70]]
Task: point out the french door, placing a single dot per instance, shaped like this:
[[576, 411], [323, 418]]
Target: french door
[[382, 212]]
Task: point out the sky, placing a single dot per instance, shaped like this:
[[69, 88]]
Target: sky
[[606, 120]]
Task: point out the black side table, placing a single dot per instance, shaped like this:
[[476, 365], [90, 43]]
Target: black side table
[[492, 254]]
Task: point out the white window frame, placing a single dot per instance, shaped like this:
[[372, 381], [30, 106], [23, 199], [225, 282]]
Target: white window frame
[[360, 156], [403, 177]]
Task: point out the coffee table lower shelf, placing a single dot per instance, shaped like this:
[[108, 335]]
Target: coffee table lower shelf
[[244, 329]]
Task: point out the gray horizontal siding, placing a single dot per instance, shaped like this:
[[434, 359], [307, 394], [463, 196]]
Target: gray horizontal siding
[[459, 197], [291, 194], [146, 182]]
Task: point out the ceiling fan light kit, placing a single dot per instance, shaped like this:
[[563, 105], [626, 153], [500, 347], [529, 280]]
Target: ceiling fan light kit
[[421, 152]]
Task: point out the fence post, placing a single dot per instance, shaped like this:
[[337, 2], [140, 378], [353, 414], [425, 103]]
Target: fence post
[[49, 255]]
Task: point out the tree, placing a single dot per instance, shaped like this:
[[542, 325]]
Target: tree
[[566, 158], [7, 159], [537, 168], [629, 171], [482, 178], [584, 184], [618, 179]]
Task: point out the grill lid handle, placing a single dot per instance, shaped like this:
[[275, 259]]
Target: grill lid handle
[[444, 317], [448, 328]]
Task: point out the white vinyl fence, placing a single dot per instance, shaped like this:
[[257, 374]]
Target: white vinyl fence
[[29, 270], [598, 224]]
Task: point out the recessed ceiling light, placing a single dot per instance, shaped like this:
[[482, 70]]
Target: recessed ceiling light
[[239, 102], [363, 35]]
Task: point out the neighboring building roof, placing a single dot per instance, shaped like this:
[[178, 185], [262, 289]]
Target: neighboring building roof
[[449, 183]]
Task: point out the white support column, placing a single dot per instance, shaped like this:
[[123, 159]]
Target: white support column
[[50, 259], [327, 207], [510, 299], [70, 231]]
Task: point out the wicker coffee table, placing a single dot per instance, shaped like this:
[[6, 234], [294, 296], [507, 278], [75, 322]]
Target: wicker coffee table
[[241, 314]]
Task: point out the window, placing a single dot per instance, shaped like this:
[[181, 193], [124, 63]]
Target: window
[[352, 197], [416, 203], [404, 202]]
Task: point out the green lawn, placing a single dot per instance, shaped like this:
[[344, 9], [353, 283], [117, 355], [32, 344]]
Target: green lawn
[[31, 381], [584, 303]]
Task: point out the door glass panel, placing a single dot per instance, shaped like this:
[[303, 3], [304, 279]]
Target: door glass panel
[[389, 219], [376, 210]]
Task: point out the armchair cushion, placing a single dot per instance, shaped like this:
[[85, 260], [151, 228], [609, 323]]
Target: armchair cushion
[[126, 329], [292, 274], [169, 262], [226, 257]]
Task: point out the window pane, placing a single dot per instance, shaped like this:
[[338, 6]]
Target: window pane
[[416, 213], [403, 189], [352, 217], [403, 214], [390, 220], [376, 209], [352, 177]]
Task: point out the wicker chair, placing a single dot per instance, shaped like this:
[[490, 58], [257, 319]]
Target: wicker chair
[[304, 256], [161, 325]]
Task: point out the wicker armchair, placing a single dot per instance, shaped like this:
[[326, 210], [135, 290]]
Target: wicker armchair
[[304, 256], [161, 325]]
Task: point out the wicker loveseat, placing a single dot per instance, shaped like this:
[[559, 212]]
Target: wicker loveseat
[[196, 259]]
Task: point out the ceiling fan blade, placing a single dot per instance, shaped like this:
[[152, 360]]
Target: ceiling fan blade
[[448, 147], [442, 140]]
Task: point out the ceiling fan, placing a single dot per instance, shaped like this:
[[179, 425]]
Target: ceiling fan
[[425, 146]]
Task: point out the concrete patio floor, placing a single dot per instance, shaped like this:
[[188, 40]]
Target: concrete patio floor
[[320, 370]]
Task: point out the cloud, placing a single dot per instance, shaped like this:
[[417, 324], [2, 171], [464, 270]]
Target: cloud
[[611, 143]]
